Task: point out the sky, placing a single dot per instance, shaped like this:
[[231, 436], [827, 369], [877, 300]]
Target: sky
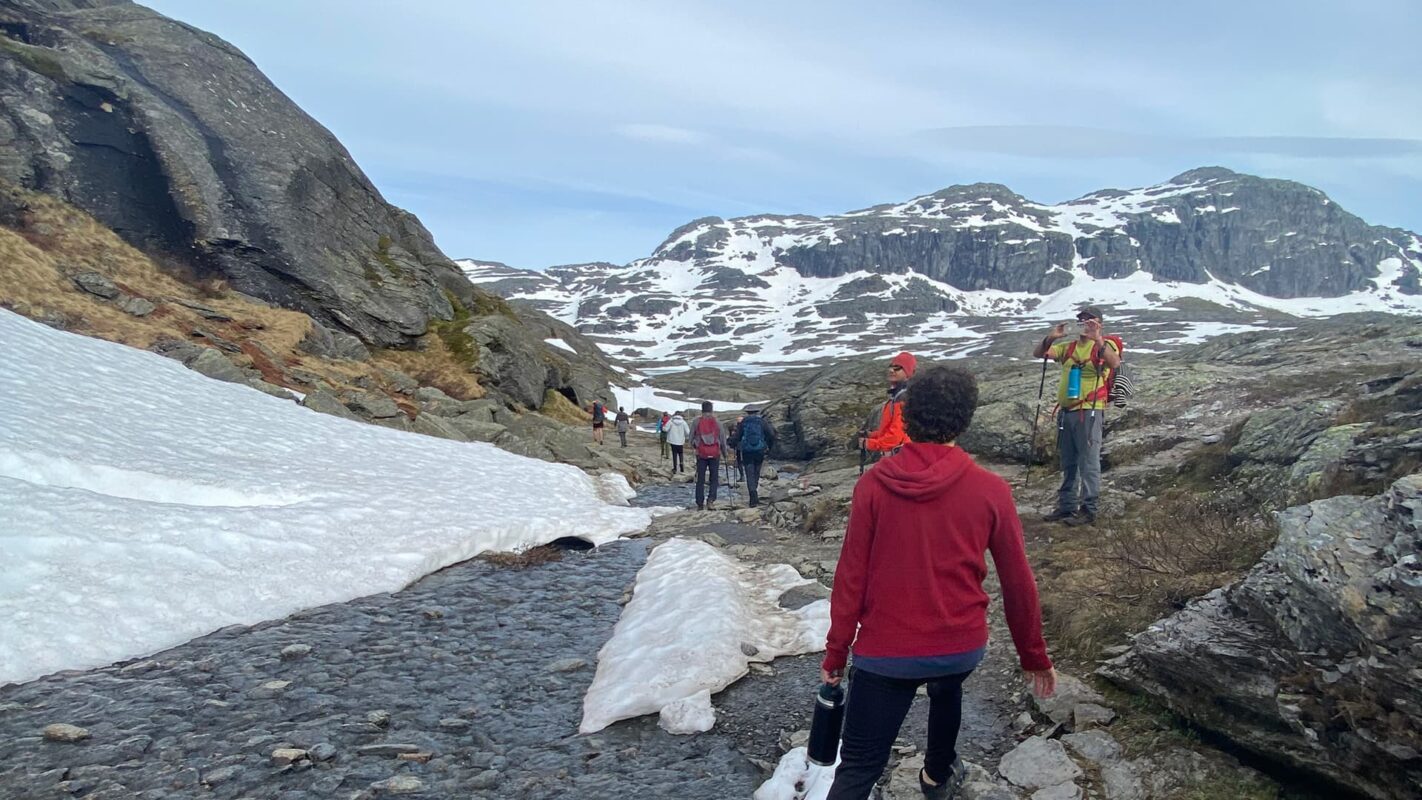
[[555, 132]]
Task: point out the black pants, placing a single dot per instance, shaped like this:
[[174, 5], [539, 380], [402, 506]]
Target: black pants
[[703, 466], [623, 436], [751, 464], [678, 462], [876, 711]]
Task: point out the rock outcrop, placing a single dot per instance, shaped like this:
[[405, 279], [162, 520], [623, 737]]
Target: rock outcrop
[[1313, 658], [176, 141]]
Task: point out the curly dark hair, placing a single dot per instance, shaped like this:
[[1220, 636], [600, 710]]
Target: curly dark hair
[[939, 404]]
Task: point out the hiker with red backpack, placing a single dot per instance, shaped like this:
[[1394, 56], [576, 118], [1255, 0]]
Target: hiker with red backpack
[[1083, 391], [709, 440]]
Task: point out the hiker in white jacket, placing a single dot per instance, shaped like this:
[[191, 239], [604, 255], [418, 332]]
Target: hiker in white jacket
[[677, 434]]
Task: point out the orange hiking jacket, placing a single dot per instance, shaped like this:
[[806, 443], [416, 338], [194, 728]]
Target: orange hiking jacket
[[890, 435]]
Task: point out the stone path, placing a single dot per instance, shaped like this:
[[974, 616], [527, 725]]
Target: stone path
[[468, 684]]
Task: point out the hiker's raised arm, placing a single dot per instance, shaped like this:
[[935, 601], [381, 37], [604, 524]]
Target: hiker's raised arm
[[1046, 344]]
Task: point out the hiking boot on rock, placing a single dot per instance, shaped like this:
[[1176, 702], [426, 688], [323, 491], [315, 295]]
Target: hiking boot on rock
[[1082, 517], [947, 789], [1058, 515]]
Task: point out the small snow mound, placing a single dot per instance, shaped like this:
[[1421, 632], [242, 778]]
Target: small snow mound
[[692, 715], [613, 488], [682, 633], [795, 778]]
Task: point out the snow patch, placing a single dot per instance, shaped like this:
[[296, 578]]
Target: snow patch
[[694, 618], [142, 504]]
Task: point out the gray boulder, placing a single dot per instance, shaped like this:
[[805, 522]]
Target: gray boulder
[[324, 402], [326, 343], [96, 284], [1311, 660], [1281, 435], [430, 425], [214, 364]]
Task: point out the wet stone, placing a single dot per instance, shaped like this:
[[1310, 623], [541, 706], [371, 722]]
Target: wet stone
[[64, 732], [377, 673]]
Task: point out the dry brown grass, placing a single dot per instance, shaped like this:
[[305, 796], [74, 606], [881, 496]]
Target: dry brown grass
[[532, 557], [560, 408], [54, 241], [1099, 584], [48, 242]]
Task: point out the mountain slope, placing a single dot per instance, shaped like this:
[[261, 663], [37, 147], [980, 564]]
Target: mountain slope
[[934, 270]]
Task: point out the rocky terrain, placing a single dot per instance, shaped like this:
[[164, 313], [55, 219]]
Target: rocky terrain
[[1207, 252]]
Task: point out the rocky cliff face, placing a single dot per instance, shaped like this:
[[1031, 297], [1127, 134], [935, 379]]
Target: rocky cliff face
[[943, 268], [173, 138], [1313, 658]]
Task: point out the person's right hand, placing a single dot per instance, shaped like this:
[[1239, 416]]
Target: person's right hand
[[1044, 682], [832, 678], [1059, 331]]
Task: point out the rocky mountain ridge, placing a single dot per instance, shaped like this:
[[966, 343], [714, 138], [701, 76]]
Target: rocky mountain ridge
[[943, 270]]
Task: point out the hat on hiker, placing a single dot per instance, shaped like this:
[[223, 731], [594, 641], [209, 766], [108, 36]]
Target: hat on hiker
[[751, 409], [1089, 312], [906, 362]]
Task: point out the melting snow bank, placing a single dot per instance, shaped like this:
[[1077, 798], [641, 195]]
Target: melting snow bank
[[795, 778], [697, 618], [142, 505]]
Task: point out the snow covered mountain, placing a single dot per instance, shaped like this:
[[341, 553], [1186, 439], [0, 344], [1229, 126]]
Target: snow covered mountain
[[941, 272]]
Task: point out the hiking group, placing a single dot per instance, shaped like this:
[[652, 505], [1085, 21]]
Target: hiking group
[[908, 609]]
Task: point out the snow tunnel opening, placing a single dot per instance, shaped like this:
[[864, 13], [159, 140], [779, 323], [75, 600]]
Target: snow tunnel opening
[[571, 543]]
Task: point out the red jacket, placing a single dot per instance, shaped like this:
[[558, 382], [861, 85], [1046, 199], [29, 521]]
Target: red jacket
[[891, 427], [910, 574]]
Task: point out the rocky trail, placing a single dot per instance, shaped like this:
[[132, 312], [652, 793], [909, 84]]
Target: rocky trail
[[469, 683]]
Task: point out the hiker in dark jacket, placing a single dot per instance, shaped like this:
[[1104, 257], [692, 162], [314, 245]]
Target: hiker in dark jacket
[[623, 423], [908, 593], [708, 438], [752, 439], [662, 425], [599, 418]]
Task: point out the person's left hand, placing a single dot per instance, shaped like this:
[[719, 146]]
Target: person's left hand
[[1092, 329], [832, 678], [863, 443]]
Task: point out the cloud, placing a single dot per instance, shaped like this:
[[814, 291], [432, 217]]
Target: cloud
[[669, 134], [1068, 142]]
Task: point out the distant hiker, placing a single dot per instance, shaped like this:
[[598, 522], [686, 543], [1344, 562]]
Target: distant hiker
[[662, 424], [623, 423], [752, 439], [677, 434], [599, 418], [732, 439], [1082, 394], [709, 439], [890, 436], [908, 591]]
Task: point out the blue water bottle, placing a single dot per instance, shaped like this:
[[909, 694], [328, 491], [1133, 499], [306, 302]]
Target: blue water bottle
[[825, 727], [1074, 383]]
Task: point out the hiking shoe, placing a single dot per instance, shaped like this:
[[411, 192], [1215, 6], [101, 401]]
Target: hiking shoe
[[948, 789], [1058, 515], [1080, 518]]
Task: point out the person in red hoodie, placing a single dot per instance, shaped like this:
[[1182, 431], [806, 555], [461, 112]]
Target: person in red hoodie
[[890, 435], [908, 593]]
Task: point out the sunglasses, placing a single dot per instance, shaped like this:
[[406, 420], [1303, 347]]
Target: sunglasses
[[896, 368]]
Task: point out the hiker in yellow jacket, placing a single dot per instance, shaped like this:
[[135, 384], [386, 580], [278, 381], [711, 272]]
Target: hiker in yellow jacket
[[1082, 394]]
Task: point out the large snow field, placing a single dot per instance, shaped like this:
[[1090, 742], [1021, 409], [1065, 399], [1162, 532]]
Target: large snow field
[[696, 620], [142, 504]]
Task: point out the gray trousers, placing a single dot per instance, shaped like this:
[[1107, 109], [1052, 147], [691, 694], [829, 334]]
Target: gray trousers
[[1079, 443]]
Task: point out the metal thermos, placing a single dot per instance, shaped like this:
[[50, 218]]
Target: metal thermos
[[823, 747]]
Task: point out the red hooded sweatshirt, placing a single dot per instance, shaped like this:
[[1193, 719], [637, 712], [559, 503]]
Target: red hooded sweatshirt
[[910, 574]]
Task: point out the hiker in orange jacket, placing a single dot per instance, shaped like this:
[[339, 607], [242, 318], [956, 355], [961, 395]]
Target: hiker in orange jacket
[[891, 436]]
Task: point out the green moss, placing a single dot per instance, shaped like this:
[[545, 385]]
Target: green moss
[[486, 305], [371, 276], [382, 254], [451, 331], [38, 59]]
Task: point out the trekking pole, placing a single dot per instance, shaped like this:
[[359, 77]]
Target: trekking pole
[[1036, 415]]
